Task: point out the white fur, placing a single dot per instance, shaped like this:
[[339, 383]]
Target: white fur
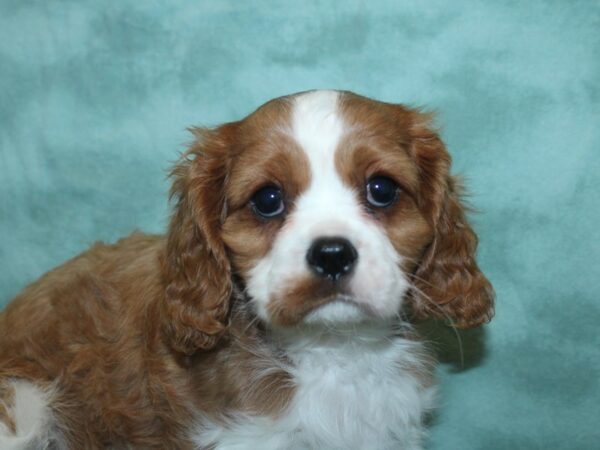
[[33, 419], [329, 208], [355, 390]]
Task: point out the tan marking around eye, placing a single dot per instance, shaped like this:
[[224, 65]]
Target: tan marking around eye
[[265, 153], [377, 143]]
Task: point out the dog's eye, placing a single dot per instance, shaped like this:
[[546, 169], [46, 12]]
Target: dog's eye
[[381, 191], [268, 202]]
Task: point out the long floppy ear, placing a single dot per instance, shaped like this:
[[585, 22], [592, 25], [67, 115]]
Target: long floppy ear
[[448, 275], [196, 270]]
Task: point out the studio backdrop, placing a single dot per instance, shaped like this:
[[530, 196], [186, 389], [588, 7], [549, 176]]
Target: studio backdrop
[[96, 96]]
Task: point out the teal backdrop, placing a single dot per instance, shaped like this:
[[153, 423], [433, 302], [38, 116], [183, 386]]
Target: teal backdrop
[[95, 98]]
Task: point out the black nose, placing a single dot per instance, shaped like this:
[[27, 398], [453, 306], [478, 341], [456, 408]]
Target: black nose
[[331, 257]]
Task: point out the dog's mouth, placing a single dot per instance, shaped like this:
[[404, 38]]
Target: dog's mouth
[[313, 301], [339, 309]]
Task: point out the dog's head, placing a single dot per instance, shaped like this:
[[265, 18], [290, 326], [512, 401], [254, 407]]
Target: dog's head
[[330, 208]]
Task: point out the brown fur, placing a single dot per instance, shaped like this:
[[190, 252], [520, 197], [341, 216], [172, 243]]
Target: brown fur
[[429, 225], [7, 398], [303, 296], [379, 145], [196, 269], [91, 328], [135, 338], [270, 157], [450, 284]]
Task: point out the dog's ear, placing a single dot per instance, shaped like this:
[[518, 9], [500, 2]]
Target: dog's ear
[[448, 280], [196, 269]]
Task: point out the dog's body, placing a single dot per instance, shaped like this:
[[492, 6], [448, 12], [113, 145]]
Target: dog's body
[[239, 329]]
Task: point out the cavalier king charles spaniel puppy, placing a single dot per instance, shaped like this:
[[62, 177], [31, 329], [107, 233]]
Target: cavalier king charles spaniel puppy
[[275, 313]]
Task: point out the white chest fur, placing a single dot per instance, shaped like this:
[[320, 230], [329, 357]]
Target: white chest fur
[[351, 394]]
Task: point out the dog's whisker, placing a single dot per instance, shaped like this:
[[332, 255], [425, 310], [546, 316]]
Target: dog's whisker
[[449, 322]]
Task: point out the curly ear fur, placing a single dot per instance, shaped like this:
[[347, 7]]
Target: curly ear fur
[[196, 269], [448, 275]]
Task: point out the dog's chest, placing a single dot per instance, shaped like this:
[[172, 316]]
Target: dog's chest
[[347, 397]]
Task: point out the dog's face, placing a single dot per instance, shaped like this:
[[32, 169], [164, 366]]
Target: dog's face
[[330, 208], [322, 223]]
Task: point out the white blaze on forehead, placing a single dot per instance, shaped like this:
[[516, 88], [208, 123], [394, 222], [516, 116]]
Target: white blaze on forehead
[[318, 128]]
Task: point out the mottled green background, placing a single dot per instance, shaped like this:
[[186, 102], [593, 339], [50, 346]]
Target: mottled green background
[[95, 97]]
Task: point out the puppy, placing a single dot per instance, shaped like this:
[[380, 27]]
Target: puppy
[[275, 312]]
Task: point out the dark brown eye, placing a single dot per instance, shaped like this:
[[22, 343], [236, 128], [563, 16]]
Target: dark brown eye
[[268, 202], [381, 191]]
